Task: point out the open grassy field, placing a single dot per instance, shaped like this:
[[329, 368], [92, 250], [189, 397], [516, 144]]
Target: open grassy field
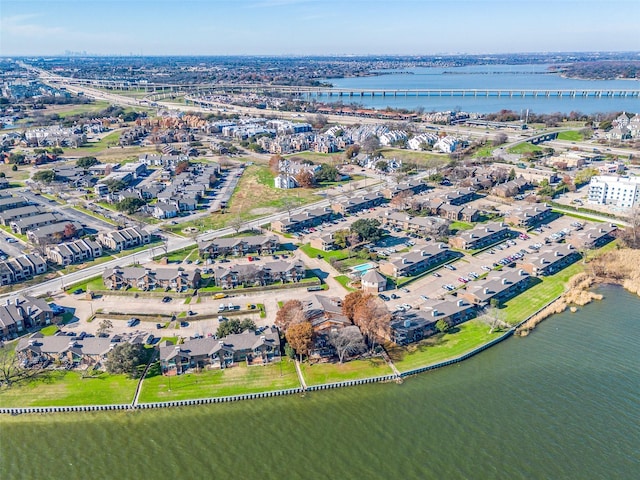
[[331, 254], [525, 147], [254, 196], [468, 336], [527, 303], [237, 380], [319, 373], [571, 136], [61, 387], [107, 141], [484, 152], [424, 159], [65, 111]]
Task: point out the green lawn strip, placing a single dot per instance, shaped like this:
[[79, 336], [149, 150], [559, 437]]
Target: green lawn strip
[[61, 387], [525, 147], [93, 284], [141, 248], [333, 254], [95, 106], [424, 159], [17, 235], [442, 347], [485, 152], [49, 330], [94, 215], [95, 147], [319, 373], [187, 300], [571, 135], [81, 266], [530, 301], [237, 380], [344, 281]]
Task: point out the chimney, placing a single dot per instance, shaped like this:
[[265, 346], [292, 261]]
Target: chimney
[[263, 338], [521, 272], [407, 323], [435, 313], [221, 343], [460, 303], [485, 290], [404, 261], [557, 253], [504, 281], [32, 342]]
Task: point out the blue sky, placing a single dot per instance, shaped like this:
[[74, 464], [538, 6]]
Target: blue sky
[[316, 27]]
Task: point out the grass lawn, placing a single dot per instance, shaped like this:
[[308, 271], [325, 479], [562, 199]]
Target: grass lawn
[[70, 110], [485, 152], [49, 330], [525, 147], [237, 380], [254, 196], [344, 281], [528, 302], [69, 388], [314, 252], [424, 159], [457, 226], [441, 347], [94, 215], [95, 147], [572, 136], [92, 284], [180, 255], [320, 373]]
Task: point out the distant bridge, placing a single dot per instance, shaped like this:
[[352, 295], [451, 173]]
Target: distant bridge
[[163, 90]]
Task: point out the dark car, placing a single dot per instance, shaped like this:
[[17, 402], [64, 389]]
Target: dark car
[[158, 326], [166, 299], [384, 297], [133, 322], [78, 291]]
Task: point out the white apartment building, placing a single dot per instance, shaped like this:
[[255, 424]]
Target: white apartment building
[[621, 192]]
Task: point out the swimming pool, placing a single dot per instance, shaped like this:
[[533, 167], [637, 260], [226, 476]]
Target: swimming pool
[[362, 268]]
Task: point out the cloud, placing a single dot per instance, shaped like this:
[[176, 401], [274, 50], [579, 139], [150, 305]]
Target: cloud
[[21, 26]]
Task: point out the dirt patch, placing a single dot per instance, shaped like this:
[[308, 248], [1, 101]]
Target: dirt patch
[[263, 211]]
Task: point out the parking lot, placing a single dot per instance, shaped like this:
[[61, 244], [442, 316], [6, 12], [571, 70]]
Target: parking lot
[[431, 285]]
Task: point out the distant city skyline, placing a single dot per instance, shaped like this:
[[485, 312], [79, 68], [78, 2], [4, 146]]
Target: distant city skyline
[[315, 27]]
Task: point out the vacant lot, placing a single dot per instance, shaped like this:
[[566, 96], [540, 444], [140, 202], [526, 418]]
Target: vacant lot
[[61, 387], [236, 380], [319, 373]]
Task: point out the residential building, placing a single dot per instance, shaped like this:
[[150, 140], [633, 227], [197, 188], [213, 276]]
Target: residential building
[[249, 347], [500, 286], [373, 282], [7, 203], [325, 242], [411, 187], [299, 221], [417, 261], [528, 217], [459, 197], [163, 210], [240, 246], [481, 236], [14, 214], [256, 275], [21, 268], [620, 192], [23, 225], [551, 260], [414, 326], [353, 205], [73, 252], [130, 237], [285, 181], [55, 232], [594, 236], [146, 279], [22, 313]]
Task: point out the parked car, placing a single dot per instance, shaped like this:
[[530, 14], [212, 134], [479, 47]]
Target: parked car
[[166, 299], [132, 322], [384, 297], [78, 291], [404, 289], [436, 274], [449, 267], [158, 326]]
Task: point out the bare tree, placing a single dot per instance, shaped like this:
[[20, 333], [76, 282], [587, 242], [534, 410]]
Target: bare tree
[[11, 371], [237, 223], [347, 341], [104, 327], [373, 317], [290, 203]]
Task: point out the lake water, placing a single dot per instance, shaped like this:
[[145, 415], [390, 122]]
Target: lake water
[[487, 77], [563, 403]]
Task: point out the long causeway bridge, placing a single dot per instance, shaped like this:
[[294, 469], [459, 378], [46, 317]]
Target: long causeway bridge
[[163, 90]]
